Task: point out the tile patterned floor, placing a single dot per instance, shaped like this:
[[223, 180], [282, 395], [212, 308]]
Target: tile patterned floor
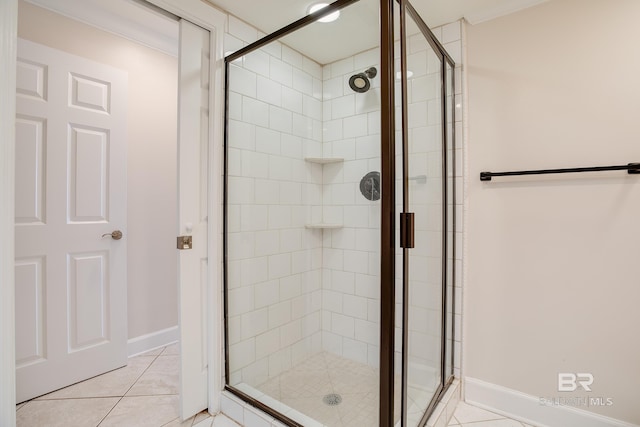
[[144, 393], [470, 416], [303, 387]]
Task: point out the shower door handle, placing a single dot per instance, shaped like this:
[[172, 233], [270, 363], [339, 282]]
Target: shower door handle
[[407, 230]]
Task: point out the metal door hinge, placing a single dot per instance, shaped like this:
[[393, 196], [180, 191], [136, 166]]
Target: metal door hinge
[[407, 230], [185, 242]]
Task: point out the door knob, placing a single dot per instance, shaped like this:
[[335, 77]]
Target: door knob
[[116, 235]]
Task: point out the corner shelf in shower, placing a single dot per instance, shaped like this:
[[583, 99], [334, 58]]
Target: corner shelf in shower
[[324, 160], [323, 225]]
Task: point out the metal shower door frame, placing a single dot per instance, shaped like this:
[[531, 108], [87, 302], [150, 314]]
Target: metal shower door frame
[[300, 23], [446, 377], [388, 200]]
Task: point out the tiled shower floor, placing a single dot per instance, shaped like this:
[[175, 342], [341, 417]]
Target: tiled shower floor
[[303, 388]]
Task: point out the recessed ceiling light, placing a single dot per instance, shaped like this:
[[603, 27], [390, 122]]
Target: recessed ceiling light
[[329, 18]]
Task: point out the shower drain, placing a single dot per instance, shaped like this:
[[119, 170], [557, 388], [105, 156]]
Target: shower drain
[[332, 399]]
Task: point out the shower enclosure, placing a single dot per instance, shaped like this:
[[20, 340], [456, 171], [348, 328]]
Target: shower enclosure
[[339, 218]]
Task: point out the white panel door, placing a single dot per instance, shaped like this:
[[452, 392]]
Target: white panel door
[[193, 130], [70, 191]]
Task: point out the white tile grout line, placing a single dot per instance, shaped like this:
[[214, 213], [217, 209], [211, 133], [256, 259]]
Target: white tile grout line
[[472, 423], [24, 404], [129, 389], [39, 398]]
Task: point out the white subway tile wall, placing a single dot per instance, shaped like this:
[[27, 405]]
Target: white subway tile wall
[[296, 291], [351, 254], [274, 261]]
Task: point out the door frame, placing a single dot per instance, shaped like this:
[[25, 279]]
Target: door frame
[[8, 51], [200, 14]]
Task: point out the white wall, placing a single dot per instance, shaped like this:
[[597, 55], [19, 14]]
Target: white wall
[[274, 275], [552, 283], [151, 138], [351, 254]]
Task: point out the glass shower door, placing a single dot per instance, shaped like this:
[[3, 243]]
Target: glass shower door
[[302, 220], [426, 193], [328, 320]]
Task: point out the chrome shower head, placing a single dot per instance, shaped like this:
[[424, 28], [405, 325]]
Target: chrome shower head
[[360, 82]]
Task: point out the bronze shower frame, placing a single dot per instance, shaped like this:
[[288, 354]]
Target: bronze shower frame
[[388, 205]]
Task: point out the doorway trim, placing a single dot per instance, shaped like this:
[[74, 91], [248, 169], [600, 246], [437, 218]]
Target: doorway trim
[[8, 51], [208, 18], [215, 21]]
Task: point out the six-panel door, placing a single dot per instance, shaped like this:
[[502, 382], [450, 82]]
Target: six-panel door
[[70, 191]]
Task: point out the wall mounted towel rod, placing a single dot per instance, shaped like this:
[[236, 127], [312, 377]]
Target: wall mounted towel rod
[[631, 168]]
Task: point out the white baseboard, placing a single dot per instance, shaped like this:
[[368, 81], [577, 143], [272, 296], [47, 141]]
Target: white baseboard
[[528, 409], [152, 341]]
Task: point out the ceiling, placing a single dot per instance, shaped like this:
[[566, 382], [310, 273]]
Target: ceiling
[[132, 19], [355, 31], [357, 28], [271, 15]]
